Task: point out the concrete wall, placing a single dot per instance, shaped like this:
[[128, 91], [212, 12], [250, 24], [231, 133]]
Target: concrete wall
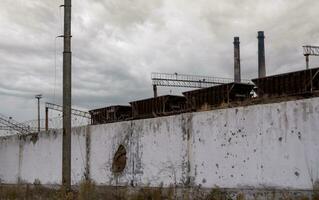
[[272, 145], [9, 160], [38, 157]]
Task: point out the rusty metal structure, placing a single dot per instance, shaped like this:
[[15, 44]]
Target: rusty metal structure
[[309, 50], [76, 112], [110, 114], [159, 106], [203, 99], [220, 95], [188, 81], [293, 83], [38, 97], [213, 92], [56, 107]]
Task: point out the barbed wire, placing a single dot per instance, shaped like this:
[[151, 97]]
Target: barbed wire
[[57, 122]]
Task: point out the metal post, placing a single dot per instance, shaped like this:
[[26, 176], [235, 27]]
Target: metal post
[[155, 91], [261, 55], [307, 61], [46, 118], [39, 115], [67, 60], [311, 80], [237, 77], [39, 96]]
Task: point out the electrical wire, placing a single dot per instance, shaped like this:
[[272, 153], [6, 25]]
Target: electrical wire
[[60, 18], [55, 66]]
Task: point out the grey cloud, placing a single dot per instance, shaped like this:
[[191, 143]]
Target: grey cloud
[[117, 44]]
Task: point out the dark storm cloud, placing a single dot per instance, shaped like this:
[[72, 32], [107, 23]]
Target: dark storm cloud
[[117, 44]]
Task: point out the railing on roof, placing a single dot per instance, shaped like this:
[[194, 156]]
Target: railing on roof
[[190, 81], [76, 112], [311, 50]]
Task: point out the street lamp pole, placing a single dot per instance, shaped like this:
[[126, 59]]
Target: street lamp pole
[[38, 96]]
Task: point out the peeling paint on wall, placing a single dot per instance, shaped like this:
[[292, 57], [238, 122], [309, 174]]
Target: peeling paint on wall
[[260, 146]]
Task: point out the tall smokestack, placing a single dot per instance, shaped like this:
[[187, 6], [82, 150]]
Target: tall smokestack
[[261, 55], [236, 60]]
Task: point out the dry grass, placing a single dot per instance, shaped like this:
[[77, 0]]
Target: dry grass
[[87, 191], [34, 192]]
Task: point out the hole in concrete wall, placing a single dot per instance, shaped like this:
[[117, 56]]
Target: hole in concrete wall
[[119, 160]]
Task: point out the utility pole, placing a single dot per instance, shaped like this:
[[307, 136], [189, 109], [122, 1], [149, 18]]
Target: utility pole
[[67, 82], [38, 96], [307, 61]]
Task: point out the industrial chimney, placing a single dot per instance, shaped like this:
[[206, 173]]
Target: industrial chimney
[[236, 60], [261, 55]]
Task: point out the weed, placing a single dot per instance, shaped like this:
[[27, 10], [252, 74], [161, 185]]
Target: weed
[[87, 191], [217, 194], [240, 196], [149, 194]]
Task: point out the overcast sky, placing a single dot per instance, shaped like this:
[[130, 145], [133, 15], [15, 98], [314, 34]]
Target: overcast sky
[[116, 45]]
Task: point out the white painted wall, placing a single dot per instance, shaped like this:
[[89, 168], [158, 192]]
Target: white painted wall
[[9, 160], [104, 143], [161, 151], [28, 161], [271, 145]]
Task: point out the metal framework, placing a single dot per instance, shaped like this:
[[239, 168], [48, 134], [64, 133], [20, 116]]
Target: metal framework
[[186, 80], [76, 112], [14, 125], [309, 50], [6, 128]]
